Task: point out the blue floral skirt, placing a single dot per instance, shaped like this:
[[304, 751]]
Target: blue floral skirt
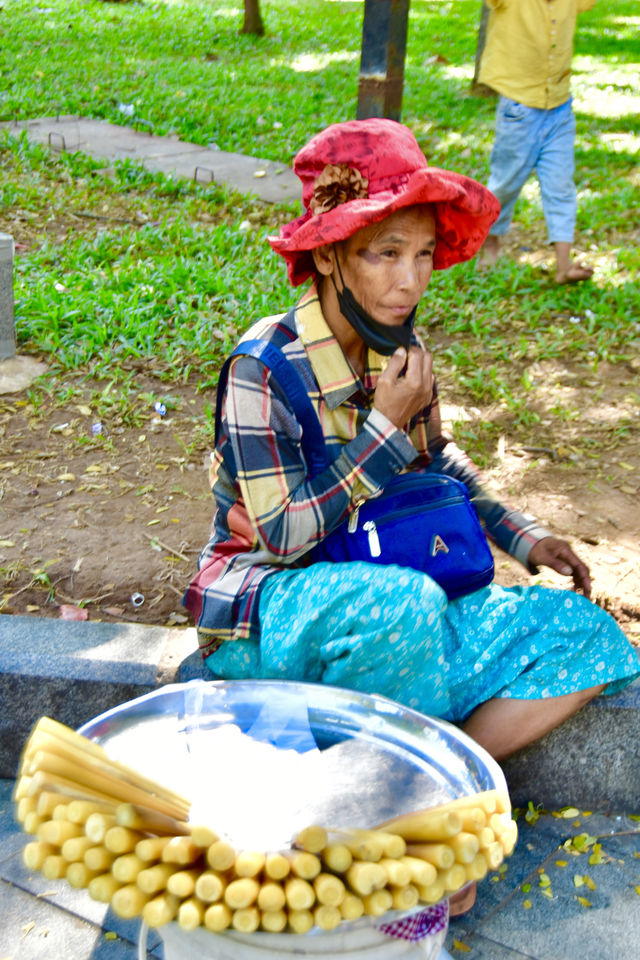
[[391, 631]]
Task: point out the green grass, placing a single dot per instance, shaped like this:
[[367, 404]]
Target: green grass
[[176, 282]]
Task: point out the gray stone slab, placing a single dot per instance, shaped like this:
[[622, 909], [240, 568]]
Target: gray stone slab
[[75, 670], [592, 760], [562, 927], [269, 181]]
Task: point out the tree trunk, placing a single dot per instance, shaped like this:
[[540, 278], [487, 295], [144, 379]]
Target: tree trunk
[[252, 19], [481, 89]]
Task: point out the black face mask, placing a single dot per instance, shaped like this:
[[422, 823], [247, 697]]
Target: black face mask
[[381, 337]]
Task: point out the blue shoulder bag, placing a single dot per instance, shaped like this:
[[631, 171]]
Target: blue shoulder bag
[[421, 520]]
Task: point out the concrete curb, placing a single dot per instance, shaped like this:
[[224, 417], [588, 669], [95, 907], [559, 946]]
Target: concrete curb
[[75, 670]]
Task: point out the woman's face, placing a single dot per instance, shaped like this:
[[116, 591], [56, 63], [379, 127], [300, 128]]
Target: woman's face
[[388, 265]]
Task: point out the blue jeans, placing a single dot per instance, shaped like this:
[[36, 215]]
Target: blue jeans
[[529, 139]]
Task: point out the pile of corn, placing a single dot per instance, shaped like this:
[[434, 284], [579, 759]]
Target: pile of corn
[[103, 827]]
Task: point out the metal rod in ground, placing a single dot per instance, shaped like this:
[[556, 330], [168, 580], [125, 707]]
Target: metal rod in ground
[[7, 321]]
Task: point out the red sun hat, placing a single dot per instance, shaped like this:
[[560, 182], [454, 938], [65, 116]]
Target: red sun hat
[[357, 173]]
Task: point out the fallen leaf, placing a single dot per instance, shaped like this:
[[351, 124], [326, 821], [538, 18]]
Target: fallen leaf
[[114, 611], [578, 880], [583, 901], [461, 946], [7, 543], [569, 813], [527, 904]]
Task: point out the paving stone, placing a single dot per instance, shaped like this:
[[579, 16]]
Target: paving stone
[[269, 181]]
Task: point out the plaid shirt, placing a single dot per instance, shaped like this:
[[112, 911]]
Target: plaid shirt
[[268, 513]]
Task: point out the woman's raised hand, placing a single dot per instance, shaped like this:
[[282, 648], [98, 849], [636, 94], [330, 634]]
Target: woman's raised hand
[[557, 554], [401, 396]]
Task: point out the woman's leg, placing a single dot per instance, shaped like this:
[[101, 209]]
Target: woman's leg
[[503, 725]]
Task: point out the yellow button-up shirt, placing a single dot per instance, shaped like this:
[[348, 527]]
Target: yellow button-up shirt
[[528, 50]]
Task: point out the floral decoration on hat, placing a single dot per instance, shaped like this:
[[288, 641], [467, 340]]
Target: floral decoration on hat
[[337, 184]]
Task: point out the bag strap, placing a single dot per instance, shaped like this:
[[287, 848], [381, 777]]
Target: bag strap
[[292, 385]]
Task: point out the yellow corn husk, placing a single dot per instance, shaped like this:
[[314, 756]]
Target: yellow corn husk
[[398, 873], [352, 907], [79, 875], [509, 838], [75, 848], [478, 868], [305, 865], [246, 919], [57, 831], [330, 890], [121, 840], [47, 801], [313, 839], [271, 897], [326, 917], [299, 894], [420, 871], [273, 921], [183, 883], [150, 848], [405, 898], [181, 850], [276, 866], [377, 903], [139, 817], [97, 825], [33, 821], [35, 853], [249, 863], [337, 857], [103, 888], [210, 886], [162, 909], [364, 878], [494, 855], [217, 917], [202, 835], [127, 867], [79, 811], [54, 867], [220, 856], [473, 819], [300, 921], [440, 855], [241, 893], [24, 806], [465, 846], [153, 879], [454, 878], [433, 892], [486, 837], [128, 901], [426, 826], [99, 858], [191, 914]]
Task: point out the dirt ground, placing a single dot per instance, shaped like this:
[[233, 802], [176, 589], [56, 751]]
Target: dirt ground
[[113, 523]]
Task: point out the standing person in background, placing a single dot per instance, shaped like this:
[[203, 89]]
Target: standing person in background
[[527, 60]]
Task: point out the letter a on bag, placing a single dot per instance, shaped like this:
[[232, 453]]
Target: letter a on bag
[[438, 545]]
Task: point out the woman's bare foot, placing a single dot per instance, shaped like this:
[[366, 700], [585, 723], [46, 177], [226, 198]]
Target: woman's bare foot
[[462, 901], [488, 255], [576, 272]]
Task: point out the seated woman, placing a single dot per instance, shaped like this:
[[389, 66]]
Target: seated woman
[[507, 664]]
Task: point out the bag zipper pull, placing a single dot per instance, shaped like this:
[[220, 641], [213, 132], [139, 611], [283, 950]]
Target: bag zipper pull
[[372, 537], [352, 524]]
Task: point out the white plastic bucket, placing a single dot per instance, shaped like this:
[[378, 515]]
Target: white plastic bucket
[[353, 943]]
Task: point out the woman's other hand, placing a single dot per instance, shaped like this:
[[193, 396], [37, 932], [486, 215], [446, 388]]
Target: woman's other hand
[[557, 554], [401, 397]]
